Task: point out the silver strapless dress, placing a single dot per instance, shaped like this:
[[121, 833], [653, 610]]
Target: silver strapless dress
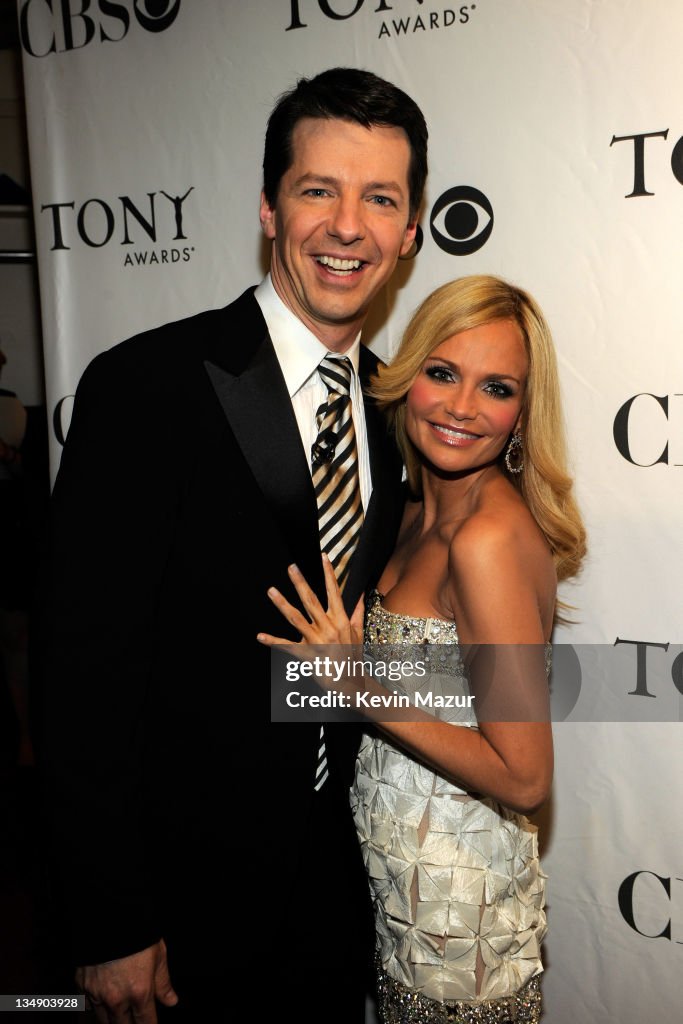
[[455, 879]]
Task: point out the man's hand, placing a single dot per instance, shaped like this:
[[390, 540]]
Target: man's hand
[[124, 991]]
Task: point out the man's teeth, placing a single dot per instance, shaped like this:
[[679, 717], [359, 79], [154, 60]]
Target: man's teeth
[[464, 434], [332, 263]]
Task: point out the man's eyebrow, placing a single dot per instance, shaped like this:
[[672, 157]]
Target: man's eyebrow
[[371, 186], [319, 179], [384, 186]]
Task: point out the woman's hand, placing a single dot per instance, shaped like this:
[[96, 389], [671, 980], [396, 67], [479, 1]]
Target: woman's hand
[[322, 627]]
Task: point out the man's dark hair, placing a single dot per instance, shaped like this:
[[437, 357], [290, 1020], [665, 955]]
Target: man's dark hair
[[350, 95]]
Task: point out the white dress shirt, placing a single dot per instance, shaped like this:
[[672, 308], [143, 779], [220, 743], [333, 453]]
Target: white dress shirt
[[299, 354]]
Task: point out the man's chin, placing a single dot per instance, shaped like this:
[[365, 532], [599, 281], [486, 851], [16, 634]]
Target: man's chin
[[341, 317]]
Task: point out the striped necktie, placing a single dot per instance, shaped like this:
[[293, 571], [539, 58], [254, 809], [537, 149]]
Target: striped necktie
[[336, 482], [335, 469]]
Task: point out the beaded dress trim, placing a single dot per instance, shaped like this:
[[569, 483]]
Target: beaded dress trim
[[385, 627], [399, 1005], [436, 638]]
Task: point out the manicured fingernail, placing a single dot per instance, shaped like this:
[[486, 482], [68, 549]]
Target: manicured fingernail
[[293, 567], [272, 592]]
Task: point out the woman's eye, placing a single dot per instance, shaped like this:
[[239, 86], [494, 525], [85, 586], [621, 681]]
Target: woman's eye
[[439, 373], [498, 390]]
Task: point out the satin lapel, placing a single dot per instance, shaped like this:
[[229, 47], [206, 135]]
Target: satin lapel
[[258, 408]]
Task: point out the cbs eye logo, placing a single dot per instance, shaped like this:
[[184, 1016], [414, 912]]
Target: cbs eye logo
[[461, 220]]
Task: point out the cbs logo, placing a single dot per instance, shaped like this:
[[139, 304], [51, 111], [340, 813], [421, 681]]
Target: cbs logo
[[461, 220]]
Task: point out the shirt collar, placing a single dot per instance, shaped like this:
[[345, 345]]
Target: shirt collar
[[298, 351]]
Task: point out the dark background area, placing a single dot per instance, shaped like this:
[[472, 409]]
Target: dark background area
[[30, 960]]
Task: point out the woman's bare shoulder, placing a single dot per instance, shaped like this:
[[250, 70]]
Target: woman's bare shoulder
[[501, 577], [500, 531]]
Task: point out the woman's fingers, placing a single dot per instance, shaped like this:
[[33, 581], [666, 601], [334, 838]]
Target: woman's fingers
[[316, 629], [335, 604], [300, 650], [331, 626], [275, 641], [306, 594], [357, 620], [292, 614]]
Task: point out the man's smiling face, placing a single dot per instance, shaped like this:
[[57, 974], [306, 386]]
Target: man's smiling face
[[340, 223]]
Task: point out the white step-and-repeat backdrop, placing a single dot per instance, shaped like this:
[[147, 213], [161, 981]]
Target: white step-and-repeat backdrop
[[556, 160]]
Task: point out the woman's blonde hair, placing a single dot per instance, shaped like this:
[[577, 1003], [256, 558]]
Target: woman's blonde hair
[[544, 483]]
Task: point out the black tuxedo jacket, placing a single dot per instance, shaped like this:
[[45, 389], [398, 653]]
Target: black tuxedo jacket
[[183, 494]]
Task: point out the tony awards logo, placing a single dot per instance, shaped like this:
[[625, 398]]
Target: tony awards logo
[[160, 220], [397, 18]]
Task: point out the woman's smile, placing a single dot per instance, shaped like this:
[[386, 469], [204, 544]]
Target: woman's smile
[[467, 399]]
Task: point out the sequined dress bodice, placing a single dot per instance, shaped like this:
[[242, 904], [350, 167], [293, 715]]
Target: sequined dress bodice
[[455, 880]]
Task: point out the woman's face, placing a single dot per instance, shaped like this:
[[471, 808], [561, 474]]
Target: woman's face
[[468, 397]]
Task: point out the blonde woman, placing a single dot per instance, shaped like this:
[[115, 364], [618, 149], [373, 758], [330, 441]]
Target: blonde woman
[[490, 528]]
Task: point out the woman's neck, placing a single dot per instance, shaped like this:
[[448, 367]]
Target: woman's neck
[[453, 498]]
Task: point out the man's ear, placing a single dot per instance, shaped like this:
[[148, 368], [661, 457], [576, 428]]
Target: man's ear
[[267, 217], [408, 238]]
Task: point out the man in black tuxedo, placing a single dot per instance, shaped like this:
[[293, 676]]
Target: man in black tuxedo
[[170, 523]]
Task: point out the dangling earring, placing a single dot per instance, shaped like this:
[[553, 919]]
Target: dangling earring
[[515, 450]]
